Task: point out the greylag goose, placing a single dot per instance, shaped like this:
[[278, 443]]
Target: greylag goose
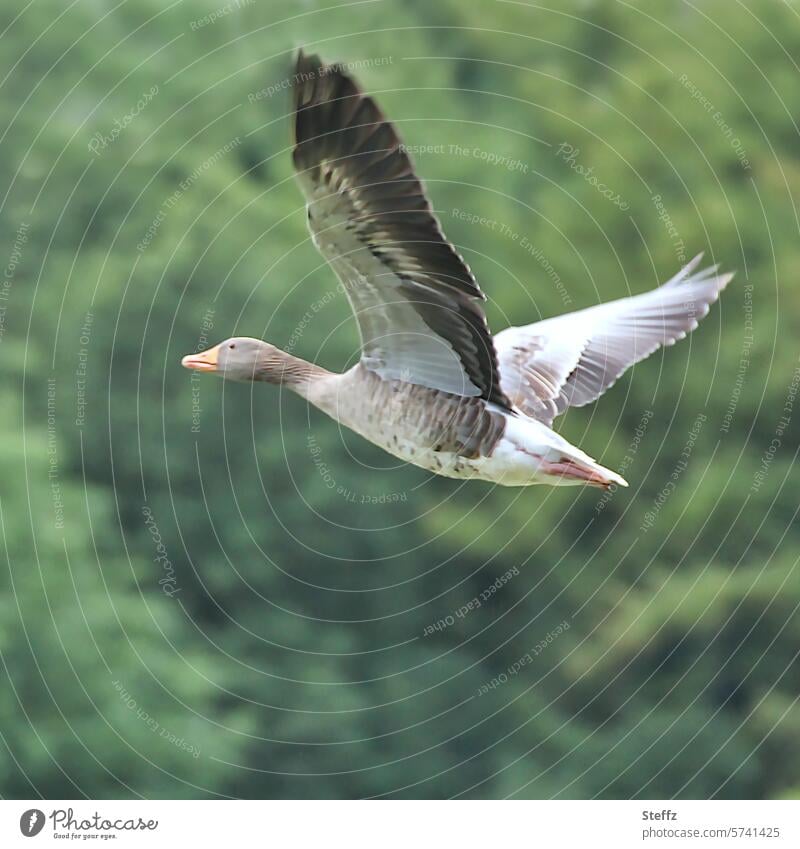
[[433, 387]]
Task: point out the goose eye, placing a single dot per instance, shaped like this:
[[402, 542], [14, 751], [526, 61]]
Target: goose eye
[[231, 346]]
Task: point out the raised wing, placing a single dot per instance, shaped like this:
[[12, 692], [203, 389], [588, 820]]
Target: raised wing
[[571, 360], [415, 299]]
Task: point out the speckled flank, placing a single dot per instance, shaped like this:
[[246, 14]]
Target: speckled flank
[[447, 434], [451, 435]]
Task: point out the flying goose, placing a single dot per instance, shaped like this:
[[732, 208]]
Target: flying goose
[[433, 387]]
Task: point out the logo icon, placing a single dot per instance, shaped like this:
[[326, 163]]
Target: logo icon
[[31, 822]]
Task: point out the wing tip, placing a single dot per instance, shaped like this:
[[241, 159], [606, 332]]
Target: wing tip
[[724, 279], [312, 66], [686, 275], [306, 61]]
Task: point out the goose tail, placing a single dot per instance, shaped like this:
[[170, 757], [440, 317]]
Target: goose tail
[[574, 467]]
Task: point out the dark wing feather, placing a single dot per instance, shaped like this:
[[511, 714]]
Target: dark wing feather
[[415, 299]]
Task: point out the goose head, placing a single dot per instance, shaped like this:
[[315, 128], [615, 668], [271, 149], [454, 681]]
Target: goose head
[[241, 358]]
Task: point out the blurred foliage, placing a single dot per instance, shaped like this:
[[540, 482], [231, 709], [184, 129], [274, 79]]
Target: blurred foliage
[[265, 634]]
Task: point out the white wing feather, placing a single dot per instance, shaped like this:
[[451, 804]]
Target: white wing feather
[[571, 360]]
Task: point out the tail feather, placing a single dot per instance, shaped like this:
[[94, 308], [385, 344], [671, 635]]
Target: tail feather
[[575, 467]]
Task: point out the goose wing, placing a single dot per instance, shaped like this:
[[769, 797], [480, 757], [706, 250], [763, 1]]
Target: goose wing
[[415, 299], [571, 360]]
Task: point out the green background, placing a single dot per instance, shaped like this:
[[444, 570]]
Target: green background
[[282, 641]]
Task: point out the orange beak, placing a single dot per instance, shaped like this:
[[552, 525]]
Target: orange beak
[[204, 361]]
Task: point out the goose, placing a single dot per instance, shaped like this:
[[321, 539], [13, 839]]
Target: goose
[[433, 386]]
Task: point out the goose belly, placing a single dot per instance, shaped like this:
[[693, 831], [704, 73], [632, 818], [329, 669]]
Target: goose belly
[[418, 444], [450, 435], [449, 452], [447, 463], [517, 455], [506, 465]]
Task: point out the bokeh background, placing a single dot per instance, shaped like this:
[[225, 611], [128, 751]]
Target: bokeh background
[[209, 590]]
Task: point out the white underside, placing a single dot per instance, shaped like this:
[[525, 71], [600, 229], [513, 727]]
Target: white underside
[[528, 452], [520, 458]]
